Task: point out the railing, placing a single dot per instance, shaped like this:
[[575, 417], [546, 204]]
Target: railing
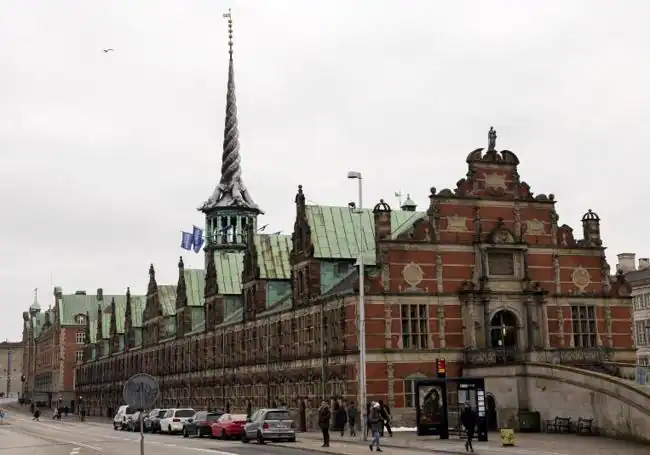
[[567, 356]]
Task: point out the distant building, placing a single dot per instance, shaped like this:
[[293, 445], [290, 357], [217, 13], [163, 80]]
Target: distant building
[[11, 367], [639, 279]]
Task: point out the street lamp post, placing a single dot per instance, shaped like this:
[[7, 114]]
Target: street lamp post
[[358, 208]]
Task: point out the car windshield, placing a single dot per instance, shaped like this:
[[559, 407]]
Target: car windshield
[[213, 416], [238, 417], [184, 413], [277, 415], [130, 410], [161, 413], [154, 413]]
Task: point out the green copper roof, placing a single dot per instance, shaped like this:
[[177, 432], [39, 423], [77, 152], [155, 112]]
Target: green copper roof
[[167, 298], [273, 256], [195, 284], [138, 303], [93, 331], [229, 267], [335, 231]]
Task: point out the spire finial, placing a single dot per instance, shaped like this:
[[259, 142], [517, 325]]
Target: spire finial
[[228, 16], [231, 191]]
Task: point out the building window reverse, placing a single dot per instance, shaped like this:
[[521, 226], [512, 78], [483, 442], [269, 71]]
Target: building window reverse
[[584, 326], [410, 399], [80, 338], [641, 329], [501, 263], [79, 356], [415, 332]]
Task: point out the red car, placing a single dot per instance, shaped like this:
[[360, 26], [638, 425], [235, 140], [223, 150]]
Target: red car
[[229, 426]]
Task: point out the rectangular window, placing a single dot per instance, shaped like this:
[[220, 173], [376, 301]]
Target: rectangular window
[[584, 326], [80, 337], [501, 263], [641, 332], [415, 331], [79, 356]]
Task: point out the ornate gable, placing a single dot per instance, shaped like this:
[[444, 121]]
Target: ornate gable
[[181, 287], [302, 247], [501, 235], [114, 336], [129, 335]]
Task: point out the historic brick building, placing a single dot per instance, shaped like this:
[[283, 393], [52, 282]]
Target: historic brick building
[[485, 274]]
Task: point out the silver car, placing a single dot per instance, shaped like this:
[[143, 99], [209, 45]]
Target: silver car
[[269, 425]]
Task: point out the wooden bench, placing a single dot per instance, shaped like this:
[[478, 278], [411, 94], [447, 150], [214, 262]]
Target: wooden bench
[[559, 425], [584, 426]]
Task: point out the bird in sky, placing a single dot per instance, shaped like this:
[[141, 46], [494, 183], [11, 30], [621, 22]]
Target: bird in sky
[[106, 51]]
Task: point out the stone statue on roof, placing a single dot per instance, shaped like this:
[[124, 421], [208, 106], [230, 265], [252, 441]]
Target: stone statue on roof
[[492, 140]]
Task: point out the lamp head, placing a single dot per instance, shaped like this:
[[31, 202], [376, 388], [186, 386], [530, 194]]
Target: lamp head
[[352, 205], [354, 175]]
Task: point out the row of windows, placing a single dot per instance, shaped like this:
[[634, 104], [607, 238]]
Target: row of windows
[[642, 332], [641, 301], [415, 327]]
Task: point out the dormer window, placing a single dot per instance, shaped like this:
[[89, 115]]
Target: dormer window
[[80, 319]]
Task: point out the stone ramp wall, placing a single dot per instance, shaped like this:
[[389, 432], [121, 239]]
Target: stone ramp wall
[[619, 407]]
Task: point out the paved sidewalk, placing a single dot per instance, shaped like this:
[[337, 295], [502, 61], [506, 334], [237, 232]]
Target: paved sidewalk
[[526, 443]]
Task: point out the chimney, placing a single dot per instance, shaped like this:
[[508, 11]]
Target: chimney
[[100, 294], [626, 262], [644, 263], [382, 221], [80, 293], [58, 292]]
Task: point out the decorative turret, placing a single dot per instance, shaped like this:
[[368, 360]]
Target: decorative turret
[[382, 220], [231, 209], [409, 205], [591, 229]]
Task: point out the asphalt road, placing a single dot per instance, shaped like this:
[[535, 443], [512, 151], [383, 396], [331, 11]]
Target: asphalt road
[[90, 438]]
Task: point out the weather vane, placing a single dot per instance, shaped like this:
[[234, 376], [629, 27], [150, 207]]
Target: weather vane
[[228, 16]]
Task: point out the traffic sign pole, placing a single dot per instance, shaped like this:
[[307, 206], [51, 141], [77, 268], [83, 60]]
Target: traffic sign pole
[[141, 392]]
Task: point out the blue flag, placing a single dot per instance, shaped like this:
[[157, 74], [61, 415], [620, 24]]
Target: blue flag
[[197, 238], [186, 241]]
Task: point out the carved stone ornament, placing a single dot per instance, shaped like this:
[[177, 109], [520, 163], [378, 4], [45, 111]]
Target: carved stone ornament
[[413, 274], [457, 223], [580, 278], [496, 181], [535, 227]]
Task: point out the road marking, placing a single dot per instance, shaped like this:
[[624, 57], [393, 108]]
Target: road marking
[[74, 451]]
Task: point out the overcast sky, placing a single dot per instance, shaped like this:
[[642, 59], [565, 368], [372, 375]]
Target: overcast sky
[[105, 157]]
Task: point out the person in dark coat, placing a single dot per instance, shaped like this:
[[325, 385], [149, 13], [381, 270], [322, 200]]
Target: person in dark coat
[[368, 408], [352, 418], [384, 413], [324, 416], [468, 418], [376, 424]]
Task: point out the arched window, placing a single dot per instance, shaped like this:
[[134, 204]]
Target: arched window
[[503, 329]]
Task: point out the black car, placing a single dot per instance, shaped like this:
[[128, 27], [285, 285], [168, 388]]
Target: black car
[[200, 424], [152, 421]]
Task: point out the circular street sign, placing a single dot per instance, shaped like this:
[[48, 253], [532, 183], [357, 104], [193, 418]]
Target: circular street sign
[[141, 391]]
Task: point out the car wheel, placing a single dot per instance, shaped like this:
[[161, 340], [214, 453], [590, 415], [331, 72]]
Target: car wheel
[[114, 426], [260, 438]]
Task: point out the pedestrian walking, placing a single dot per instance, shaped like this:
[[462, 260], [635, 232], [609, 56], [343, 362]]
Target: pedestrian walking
[[376, 424], [352, 418], [384, 413], [468, 419], [341, 418], [37, 414], [324, 416]]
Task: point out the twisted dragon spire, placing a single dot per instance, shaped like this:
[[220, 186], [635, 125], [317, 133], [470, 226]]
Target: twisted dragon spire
[[231, 191]]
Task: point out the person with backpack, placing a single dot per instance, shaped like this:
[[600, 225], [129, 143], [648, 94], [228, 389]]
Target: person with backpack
[[468, 418]]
